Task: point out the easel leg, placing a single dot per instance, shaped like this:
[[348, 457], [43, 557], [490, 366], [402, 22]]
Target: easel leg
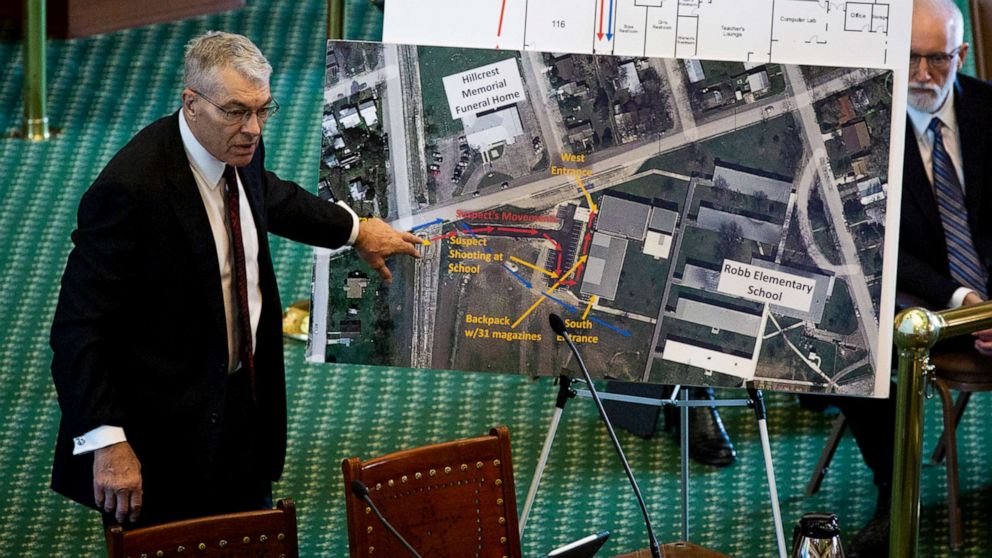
[[565, 392], [684, 449], [760, 413]]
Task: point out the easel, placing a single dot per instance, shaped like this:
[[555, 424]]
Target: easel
[[755, 400]]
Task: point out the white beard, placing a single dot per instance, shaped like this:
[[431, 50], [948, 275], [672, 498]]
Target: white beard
[[930, 100]]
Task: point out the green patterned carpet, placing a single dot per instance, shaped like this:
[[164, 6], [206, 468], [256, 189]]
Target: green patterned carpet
[[105, 88]]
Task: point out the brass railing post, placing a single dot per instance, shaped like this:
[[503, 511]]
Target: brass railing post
[[35, 95], [335, 19], [916, 331]]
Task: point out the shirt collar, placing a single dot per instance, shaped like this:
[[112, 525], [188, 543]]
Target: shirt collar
[[921, 120], [208, 166]]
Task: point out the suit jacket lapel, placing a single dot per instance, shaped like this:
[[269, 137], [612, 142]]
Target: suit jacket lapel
[[188, 205], [916, 182], [254, 192], [972, 120]]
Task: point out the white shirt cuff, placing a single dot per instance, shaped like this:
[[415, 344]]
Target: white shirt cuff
[[99, 437], [354, 223], [957, 299]]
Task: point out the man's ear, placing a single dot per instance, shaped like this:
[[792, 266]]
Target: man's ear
[[189, 107], [962, 54]]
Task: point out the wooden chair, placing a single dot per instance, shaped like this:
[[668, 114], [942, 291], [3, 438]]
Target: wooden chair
[[967, 373], [449, 500], [259, 534]]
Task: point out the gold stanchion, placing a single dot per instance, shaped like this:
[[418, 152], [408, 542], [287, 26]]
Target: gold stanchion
[[335, 19], [35, 126], [916, 331]]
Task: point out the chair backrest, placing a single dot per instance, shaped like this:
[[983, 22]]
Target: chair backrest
[[981, 28], [453, 499], [259, 534]]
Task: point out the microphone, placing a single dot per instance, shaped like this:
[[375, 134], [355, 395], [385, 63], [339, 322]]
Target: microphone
[[559, 327], [361, 491]]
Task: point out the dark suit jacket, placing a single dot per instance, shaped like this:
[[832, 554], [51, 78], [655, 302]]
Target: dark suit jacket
[[139, 335], [923, 267]]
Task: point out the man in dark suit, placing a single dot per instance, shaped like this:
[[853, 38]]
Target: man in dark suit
[[945, 236], [167, 336]]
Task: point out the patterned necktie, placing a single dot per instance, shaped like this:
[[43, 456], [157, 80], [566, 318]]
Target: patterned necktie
[[243, 322], [965, 265]]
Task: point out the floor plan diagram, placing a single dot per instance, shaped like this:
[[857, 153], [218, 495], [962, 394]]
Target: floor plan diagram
[[825, 32]]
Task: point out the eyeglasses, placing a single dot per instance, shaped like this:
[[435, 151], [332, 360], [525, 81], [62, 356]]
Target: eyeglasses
[[242, 115], [938, 61]]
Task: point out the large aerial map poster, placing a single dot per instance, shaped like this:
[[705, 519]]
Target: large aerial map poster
[[692, 221]]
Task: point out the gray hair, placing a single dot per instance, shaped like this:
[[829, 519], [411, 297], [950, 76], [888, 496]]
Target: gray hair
[[946, 10], [214, 50]]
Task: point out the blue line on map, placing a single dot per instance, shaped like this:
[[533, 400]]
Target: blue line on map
[[519, 278], [437, 221], [486, 249], [623, 332], [567, 306]]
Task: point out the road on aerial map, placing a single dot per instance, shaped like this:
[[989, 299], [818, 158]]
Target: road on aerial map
[[835, 210]]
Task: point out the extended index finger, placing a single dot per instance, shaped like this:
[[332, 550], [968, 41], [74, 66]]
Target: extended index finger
[[411, 238]]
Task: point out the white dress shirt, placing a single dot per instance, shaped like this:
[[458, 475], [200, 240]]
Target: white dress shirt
[[952, 144]]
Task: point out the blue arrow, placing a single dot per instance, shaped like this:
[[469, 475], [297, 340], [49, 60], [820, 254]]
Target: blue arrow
[[623, 332], [609, 29], [469, 232], [519, 278], [566, 305], [437, 221]]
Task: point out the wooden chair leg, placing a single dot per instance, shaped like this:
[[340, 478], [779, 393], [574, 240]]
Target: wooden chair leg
[[950, 437], [959, 405], [827, 455]]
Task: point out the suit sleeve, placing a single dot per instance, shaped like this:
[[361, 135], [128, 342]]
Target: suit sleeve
[[91, 307], [917, 277], [295, 213]]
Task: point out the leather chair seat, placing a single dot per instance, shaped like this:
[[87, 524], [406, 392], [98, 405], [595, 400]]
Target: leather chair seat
[[968, 371]]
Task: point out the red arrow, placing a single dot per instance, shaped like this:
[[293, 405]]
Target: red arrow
[[499, 31], [552, 241], [600, 34], [483, 230], [558, 264], [446, 235], [531, 232]]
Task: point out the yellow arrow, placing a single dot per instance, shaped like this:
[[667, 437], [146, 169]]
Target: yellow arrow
[[527, 313], [551, 274], [592, 206], [549, 291], [592, 301]]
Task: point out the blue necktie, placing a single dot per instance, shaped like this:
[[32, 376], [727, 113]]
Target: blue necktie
[[965, 265]]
